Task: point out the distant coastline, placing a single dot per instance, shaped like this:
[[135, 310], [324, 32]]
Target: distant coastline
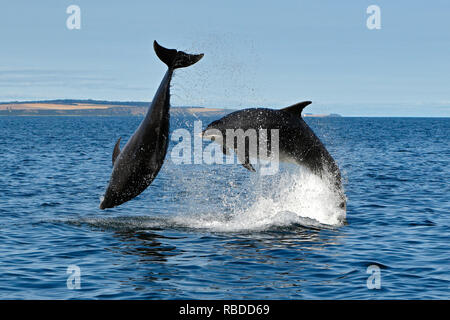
[[104, 108]]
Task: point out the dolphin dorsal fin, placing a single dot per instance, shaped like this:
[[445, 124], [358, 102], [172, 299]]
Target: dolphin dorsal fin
[[296, 109], [116, 151]]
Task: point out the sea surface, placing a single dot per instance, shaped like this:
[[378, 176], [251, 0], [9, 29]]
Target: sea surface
[[219, 231]]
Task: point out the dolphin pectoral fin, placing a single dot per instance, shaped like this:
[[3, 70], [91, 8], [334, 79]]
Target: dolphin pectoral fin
[[175, 59], [245, 161], [225, 151], [116, 151], [296, 109], [248, 166]]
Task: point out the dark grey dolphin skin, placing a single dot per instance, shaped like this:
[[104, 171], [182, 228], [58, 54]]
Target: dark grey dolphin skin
[[297, 142], [136, 166]]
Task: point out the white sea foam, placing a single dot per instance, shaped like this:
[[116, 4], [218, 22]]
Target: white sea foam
[[298, 197], [294, 197]]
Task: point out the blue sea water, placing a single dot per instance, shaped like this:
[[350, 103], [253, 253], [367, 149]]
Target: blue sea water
[[219, 231]]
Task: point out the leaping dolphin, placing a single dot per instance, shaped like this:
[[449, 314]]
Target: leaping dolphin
[[136, 166], [297, 142]]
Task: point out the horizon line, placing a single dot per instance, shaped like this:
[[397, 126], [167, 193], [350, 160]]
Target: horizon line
[[203, 106]]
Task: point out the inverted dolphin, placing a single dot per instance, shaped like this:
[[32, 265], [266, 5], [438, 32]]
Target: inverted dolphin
[[136, 166], [297, 142]]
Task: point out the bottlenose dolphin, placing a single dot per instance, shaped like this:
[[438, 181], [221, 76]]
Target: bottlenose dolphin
[[136, 166], [297, 142]]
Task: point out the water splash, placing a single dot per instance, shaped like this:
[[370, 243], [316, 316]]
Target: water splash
[[293, 198], [297, 197]]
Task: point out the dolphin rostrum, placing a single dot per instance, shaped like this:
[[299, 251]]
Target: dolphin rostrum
[[297, 142], [136, 166]]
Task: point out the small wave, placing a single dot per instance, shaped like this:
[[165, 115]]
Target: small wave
[[246, 222], [200, 222], [50, 204]]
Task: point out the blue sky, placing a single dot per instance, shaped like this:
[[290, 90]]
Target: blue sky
[[257, 53]]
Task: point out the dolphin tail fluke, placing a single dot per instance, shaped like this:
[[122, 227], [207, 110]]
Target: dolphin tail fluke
[[175, 59]]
